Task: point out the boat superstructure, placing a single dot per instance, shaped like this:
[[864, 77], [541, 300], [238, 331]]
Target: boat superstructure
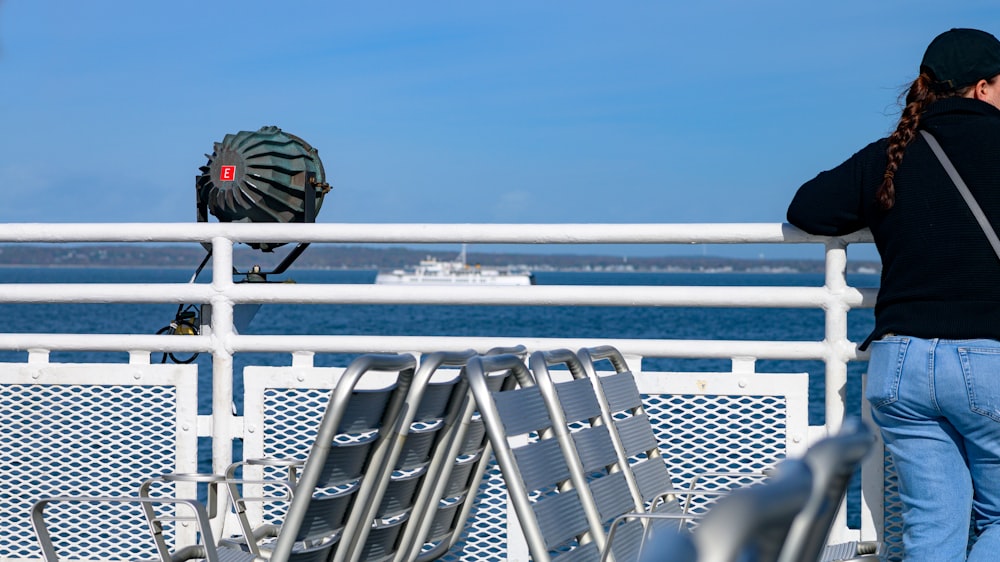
[[157, 423], [431, 271]]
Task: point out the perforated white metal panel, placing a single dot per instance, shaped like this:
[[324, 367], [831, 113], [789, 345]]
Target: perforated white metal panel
[[94, 429], [718, 442], [282, 408], [716, 429]]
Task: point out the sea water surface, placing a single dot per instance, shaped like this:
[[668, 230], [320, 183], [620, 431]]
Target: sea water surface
[[430, 320]]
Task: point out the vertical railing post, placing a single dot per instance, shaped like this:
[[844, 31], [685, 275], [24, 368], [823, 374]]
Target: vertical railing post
[[837, 344], [838, 350], [223, 421]]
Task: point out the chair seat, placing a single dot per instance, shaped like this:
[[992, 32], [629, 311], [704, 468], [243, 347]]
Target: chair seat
[[850, 552]]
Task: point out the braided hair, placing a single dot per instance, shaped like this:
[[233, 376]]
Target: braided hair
[[923, 92]]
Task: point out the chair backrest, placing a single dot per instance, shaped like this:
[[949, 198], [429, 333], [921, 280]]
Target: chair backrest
[[633, 437], [460, 458], [547, 502], [592, 447], [345, 459], [647, 471], [833, 461], [422, 428]]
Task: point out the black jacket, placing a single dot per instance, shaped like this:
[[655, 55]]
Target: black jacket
[[940, 277]]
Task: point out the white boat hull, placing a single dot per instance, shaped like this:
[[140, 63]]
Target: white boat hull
[[410, 278], [433, 272]]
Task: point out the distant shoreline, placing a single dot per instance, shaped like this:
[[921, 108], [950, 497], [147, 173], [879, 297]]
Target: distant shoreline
[[373, 270], [361, 258]]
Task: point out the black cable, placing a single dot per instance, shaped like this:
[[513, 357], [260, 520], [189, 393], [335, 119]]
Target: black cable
[[186, 318]]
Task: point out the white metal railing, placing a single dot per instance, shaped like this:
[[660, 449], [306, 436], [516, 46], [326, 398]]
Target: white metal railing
[[836, 297]]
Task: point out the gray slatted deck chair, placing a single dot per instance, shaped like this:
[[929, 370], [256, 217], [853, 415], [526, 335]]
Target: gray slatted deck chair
[[348, 471], [420, 436], [548, 505], [461, 457], [833, 461], [749, 524], [647, 474], [374, 536], [589, 443], [421, 430], [332, 480]]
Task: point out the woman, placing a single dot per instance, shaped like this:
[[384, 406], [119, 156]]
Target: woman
[[934, 373]]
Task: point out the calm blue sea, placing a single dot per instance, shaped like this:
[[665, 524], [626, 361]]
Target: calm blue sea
[[514, 321]]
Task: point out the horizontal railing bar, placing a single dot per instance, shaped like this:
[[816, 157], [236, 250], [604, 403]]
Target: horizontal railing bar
[[699, 349], [537, 295], [704, 233], [704, 349], [106, 293], [105, 342], [554, 295]]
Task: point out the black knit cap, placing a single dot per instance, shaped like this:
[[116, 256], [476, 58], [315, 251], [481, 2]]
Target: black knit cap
[[961, 57]]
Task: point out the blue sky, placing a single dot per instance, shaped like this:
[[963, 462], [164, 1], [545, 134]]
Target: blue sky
[[515, 111]]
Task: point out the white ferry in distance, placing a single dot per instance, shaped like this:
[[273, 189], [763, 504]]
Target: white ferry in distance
[[430, 271]]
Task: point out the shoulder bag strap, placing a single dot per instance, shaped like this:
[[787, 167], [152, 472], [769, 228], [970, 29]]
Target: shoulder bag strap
[[984, 223]]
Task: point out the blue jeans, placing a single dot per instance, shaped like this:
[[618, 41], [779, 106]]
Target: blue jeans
[[937, 403]]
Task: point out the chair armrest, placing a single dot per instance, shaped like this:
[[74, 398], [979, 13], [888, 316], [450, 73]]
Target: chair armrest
[[213, 481], [271, 461], [618, 521], [239, 497], [688, 496], [207, 550], [293, 466], [708, 474], [239, 502], [192, 477]]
